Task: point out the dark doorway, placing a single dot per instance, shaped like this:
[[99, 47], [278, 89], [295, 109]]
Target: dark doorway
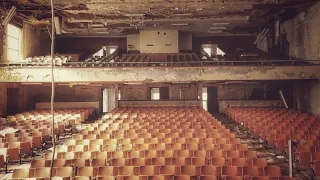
[[12, 101], [213, 105], [164, 93]]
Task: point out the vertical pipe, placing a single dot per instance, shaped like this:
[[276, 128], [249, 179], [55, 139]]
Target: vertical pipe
[[290, 158], [283, 99]]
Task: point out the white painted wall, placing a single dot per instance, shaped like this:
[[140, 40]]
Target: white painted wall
[[161, 41], [133, 40]]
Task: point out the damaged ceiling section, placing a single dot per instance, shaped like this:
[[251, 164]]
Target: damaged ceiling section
[[123, 17]]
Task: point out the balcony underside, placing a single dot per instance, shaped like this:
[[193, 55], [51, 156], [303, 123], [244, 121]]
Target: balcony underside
[[160, 74]]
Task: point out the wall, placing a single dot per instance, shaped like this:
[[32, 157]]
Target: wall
[[36, 42], [162, 41], [185, 41], [227, 44], [142, 92], [255, 94], [36, 93], [85, 46], [159, 74], [307, 97], [302, 34], [134, 41]]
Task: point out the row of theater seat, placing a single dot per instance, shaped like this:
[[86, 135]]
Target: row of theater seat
[[45, 60], [151, 143], [26, 132], [277, 126]]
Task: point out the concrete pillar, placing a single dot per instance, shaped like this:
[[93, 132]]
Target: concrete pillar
[[116, 92], [200, 86]]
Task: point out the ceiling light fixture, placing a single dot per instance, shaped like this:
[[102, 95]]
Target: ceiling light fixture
[[215, 31], [180, 24], [134, 15], [220, 23], [217, 28], [183, 14]]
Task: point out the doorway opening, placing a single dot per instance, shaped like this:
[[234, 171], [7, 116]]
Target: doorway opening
[[108, 99], [12, 101]]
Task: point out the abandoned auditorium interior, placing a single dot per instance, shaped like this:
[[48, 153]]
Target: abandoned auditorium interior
[[160, 89]]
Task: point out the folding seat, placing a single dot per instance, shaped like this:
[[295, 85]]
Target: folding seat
[[100, 155], [57, 163], [65, 172], [97, 142], [160, 177], [80, 162], [98, 162], [81, 178], [42, 172], [209, 147], [232, 154], [216, 161], [71, 142], [77, 136], [13, 151], [208, 177], [149, 170], [303, 158], [37, 163], [274, 171], [211, 170], [248, 154], [66, 155], [48, 156], [287, 178], [192, 146], [168, 170], [21, 173], [93, 148], [174, 146], [160, 135], [198, 161], [231, 171], [190, 170], [117, 162], [232, 178], [138, 162], [259, 162], [111, 148], [315, 168], [199, 153], [126, 147], [107, 171], [221, 141], [126, 171], [83, 155], [179, 161], [110, 141], [151, 153], [184, 177], [105, 136], [240, 162], [85, 171], [158, 161], [125, 141], [180, 140], [159, 146], [240, 147], [217, 154], [252, 171], [134, 154], [182, 153], [167, 140]]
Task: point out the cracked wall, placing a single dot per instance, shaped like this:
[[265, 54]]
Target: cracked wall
[[36, 42], [302, 34], [307, 97], [159, 74]]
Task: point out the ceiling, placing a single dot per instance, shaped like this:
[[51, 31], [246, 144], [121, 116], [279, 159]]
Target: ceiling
[[123, 17]]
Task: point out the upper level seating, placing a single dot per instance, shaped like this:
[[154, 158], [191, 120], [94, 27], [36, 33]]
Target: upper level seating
[[29, 130], [153, 143], [163, 59], [277, 126], [45, 60]]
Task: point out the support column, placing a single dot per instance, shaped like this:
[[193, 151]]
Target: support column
[[116, 92], [199, 98]]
